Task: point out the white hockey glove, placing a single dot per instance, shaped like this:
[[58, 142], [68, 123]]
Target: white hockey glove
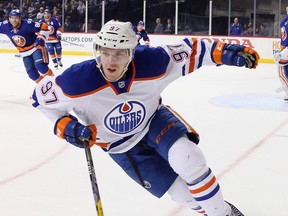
[[281, 58]]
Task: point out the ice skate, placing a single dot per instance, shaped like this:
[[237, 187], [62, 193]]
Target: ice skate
[[55, 65], [234, 210], [285, 98], [60, 64]]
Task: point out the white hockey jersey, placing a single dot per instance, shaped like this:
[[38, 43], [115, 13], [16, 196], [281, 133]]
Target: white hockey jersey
[[121, 110]]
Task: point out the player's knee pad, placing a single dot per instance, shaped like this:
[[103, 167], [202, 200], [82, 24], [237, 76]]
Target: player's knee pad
[[180, 193], [33, 74], [285, 71], [283, 76], [187, 160], [49, 46], [58, 49], [51, 52], [42, 68]]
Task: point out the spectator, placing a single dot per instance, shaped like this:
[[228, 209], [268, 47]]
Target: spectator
[[236, 28], [159, 29], [249, 30], [55, 10], [67, 24], [74, 20], [55, 13], [10, 6], [2, 12], [263, 31], [170, 28], [36, 3], [81, 8], [31, 11], [43, 2], [81, 14], [40, 14]]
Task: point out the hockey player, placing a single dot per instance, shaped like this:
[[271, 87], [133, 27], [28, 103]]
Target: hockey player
[[117, 105], [31, 46], [53, 44], [281, 58], [141, 33]]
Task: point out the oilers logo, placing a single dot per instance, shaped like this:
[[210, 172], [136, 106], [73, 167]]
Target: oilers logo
[[19, 40], [125, 117]]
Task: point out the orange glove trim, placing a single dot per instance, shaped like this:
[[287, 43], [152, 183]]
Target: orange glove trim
[[61, 125], [253, 53], [217, 52], [92, 139]]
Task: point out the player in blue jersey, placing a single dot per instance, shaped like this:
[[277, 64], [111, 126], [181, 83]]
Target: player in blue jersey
[[281, 58], [116, 102], [141, 33], [29, 38], [53, 44]]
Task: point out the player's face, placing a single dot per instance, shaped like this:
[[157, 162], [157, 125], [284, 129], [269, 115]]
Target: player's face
[[139, 28], [15, 21], [47, 16], [113, 62]]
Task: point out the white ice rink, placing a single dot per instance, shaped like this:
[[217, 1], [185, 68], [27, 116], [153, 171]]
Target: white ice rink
[[243, 126]]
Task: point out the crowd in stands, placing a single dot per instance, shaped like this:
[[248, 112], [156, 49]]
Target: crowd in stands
[[31, 9], [247, 29], [74, 16], [74, 11]]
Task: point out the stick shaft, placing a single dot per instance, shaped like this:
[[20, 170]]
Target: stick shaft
[[72, 43], [93, 180]]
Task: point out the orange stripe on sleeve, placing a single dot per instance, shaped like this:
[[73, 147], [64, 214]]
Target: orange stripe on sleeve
[[193, 54], [60, 29], [103, 145], [217, 52], [23, 49]]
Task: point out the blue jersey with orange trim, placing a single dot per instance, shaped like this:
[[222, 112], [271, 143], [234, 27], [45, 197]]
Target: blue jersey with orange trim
[[24, 37], [121, 110], [284, 30], [141, 34], [55, 29]]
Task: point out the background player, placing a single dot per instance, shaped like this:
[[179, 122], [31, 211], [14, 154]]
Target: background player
[[141, 33], [117, 95], [53, 44], [29, 38], [282, 57]]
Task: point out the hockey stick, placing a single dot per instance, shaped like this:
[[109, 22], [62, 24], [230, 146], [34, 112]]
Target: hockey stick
[[93, 180], [81, 45]]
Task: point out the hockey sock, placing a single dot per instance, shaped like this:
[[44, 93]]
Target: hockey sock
[[207, 193]]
